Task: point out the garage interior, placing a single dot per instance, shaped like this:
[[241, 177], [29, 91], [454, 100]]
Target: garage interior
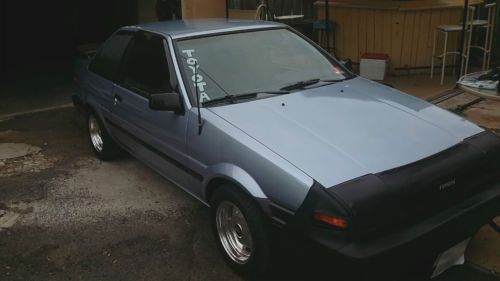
[[41, 39]]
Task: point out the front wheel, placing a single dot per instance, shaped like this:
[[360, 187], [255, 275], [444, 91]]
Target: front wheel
[[240, 231]]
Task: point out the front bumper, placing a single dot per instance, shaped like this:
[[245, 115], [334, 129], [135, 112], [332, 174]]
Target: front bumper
[[422, 239]]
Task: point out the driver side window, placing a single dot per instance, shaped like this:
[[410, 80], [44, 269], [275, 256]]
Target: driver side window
[[145, 69]]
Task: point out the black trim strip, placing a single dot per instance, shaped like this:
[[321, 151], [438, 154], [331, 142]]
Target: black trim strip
[[174, 162], [280, 214]]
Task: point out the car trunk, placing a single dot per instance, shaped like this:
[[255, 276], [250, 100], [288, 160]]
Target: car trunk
[[392, 199]]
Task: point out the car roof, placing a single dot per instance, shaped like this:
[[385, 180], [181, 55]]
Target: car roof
[[190, 28]]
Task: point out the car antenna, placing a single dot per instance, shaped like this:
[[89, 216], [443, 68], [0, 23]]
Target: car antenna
[[200, 124]]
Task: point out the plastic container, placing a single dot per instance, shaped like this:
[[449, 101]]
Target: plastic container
[[373, 66]]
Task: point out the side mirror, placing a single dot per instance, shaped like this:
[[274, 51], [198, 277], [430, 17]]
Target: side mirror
[[166, 102]]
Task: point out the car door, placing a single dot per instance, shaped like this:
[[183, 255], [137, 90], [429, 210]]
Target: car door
[[103, 72], [156, 137]]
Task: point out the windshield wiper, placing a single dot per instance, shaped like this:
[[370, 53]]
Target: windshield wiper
[[300, 84], [337, 80], [235, 98], [305, 83]]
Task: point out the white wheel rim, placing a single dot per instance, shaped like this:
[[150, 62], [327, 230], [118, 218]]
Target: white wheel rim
[[234, 232], [95, 133]]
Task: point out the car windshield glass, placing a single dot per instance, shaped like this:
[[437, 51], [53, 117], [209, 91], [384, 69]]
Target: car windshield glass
[[239, 63]]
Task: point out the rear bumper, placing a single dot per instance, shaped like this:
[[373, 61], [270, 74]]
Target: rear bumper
[[78, 103], [430, 236]]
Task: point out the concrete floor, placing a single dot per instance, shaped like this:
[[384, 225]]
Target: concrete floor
[[66, 216], [81, 219]]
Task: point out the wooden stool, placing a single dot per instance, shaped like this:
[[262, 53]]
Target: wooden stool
[[446, 30], [489, 25]]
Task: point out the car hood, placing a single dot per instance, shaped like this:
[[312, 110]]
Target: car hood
[[339, 132]]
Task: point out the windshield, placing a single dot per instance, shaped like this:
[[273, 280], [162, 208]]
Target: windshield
[[267, 60]]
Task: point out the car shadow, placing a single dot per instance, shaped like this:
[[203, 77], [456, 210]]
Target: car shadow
[[303, 263]]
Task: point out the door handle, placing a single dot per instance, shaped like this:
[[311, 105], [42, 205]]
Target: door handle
[[117, 99]]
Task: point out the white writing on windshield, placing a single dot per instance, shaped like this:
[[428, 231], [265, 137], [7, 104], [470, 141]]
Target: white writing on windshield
[[197, 78]]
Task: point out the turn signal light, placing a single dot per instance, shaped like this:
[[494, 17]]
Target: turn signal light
[[331, 220]]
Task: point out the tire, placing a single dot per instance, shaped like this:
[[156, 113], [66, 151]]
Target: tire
[[231, 207], [104, 147]]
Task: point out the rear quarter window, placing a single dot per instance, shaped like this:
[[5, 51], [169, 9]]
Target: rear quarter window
[[107, 61]]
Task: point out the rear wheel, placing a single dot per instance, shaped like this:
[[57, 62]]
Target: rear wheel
[[104, 147], [240, 231]]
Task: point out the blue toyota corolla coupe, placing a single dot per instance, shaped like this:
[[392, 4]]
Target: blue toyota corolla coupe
[[272, 132]]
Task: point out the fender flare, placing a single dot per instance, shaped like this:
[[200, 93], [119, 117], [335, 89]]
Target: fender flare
[[236, 175]]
